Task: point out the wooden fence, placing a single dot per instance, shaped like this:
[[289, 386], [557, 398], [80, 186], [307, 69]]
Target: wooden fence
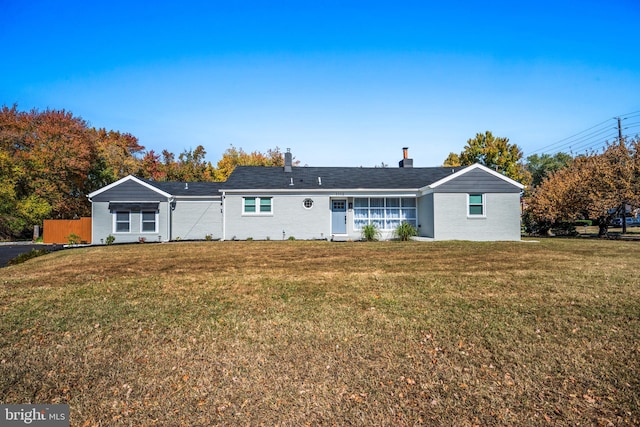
[[59, 230]]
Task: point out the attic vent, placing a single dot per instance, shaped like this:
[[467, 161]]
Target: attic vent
[[319, 181]]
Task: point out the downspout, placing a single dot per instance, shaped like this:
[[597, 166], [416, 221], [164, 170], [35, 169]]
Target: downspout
[[169, 218], [91, 201], [224, 216]]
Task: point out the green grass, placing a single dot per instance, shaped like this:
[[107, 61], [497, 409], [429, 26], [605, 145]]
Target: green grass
[[295, 333]]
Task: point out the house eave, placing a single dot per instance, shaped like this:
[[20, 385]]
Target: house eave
[[208, 197], [328, 191]]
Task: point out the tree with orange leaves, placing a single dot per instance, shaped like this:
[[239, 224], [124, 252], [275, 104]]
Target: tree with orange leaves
[[233, 157], [598, 186], [49, 161]]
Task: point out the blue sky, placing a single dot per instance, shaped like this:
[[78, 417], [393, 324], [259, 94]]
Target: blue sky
[[340, 83]]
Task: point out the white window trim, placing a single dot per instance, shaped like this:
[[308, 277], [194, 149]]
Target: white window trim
[[484, 206], [114, 227], [155, 231], [257, 212]]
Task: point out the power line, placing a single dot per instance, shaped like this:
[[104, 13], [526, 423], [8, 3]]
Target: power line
[[569, 137], [598, 143], [572, 144], [584, 139]]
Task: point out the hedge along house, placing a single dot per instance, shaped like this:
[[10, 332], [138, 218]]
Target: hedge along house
[[333, 203], [132, 209], [463, 203]]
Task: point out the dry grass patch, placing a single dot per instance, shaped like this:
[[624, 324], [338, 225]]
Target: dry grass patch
[[295, 333]]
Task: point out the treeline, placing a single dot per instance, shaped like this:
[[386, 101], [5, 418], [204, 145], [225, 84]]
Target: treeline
[[597, 186], [50, 160]]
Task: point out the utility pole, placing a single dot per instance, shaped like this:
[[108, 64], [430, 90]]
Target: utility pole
[[624, 203], [619, 131]]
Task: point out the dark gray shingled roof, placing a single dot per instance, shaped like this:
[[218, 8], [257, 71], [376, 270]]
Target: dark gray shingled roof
[[187, 188], [306, 178]]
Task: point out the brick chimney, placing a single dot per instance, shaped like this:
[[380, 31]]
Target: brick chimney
[[406, 162], [288, 160]]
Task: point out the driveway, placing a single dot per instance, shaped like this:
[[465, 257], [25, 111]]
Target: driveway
[[9, 251]]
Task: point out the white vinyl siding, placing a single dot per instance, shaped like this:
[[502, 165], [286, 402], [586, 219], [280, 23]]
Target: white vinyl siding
[[386, 213]]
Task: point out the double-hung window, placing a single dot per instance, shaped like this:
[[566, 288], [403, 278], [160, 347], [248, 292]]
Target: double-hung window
[[122, 222], [257, 205], [149, 222], [476, 205]]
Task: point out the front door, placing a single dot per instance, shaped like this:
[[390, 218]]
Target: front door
[[338, 217]]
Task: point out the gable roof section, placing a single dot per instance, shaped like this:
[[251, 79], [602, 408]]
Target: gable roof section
[[471, 170], [332, 178], [127, 179], [167, 189]]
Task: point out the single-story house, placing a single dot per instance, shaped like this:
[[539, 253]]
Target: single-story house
[[256, 202]]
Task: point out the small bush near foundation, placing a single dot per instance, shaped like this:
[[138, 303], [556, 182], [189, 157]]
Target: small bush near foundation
[[370, 233], [405, 231]]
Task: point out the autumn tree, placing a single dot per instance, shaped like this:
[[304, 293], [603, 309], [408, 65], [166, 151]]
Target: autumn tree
[[193, 166], [452, 160], [151, 167], [233, 157], [493, 152], [46, 159], [118, 155], [50, 160], [597, 186], [190, 166], [16, 213]]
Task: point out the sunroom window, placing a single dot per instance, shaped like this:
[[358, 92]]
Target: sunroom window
[[386, 213]]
